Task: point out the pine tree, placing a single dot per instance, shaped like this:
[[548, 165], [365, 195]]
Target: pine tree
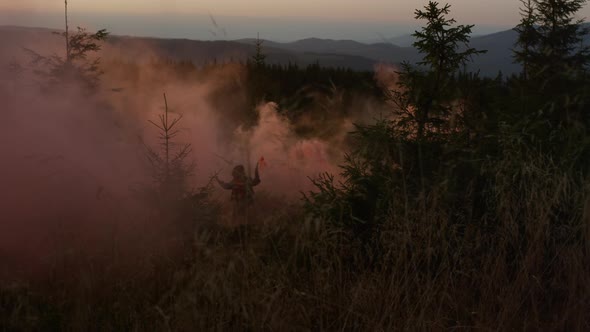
[[429, 90], [259, 57], [74, 67], [439, 40], [555, 40], [258, 80], [528, 36], [551, 49], [169, 166]]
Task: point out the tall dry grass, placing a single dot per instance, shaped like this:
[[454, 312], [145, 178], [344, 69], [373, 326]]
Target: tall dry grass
[[522, 265]]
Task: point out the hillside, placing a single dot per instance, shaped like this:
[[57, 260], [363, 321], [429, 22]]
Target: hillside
[[45, 41], [498, 45], [327, 52]]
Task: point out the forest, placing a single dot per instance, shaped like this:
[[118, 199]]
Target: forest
[[411, 197]]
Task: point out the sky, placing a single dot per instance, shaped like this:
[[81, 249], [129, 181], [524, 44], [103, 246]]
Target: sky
[[279, 20]]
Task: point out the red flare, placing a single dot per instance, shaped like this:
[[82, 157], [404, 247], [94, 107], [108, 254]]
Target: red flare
[[261, 163]]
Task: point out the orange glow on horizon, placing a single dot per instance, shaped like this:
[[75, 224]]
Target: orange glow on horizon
[[494, 12]]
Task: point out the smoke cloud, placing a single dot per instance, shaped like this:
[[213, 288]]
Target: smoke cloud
[[72, 163]]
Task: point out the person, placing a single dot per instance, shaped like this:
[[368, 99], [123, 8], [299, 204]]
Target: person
[[242, 189]]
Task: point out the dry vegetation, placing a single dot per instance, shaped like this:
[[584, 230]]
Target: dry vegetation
[[466, 207], [517, 271]]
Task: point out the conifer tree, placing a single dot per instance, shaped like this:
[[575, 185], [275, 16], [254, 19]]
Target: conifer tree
[[551, 49], [551, 42], [75, 66], [429, 89], [259, 57], [169, 165], [527, 35]]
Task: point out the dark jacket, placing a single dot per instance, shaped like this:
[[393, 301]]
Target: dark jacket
[[242, 187]]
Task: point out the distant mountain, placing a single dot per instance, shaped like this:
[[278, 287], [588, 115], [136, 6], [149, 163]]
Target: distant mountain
[[326, 52], [14, 39], [207, 51], [380, 52], [404, 41], [499, 53], [498, 45]]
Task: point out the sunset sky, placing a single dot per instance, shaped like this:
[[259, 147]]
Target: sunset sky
[[273, 19]]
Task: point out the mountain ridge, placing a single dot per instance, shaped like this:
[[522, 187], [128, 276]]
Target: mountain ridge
[[347, 53]]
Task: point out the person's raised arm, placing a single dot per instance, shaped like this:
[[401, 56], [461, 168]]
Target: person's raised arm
[[224, 185], [256, 179]]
